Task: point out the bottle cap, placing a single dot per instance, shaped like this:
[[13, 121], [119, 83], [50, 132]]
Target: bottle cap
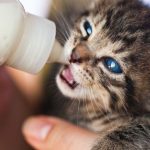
[[35, 45]]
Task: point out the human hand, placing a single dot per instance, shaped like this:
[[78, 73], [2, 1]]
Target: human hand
[[12, 101], [45, 133]]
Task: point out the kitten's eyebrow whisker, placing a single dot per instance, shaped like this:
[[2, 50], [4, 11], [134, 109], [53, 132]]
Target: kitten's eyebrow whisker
[[62, 17], [61, 32], [61, 21]]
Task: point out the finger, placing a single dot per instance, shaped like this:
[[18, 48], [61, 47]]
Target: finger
[[45, 133]]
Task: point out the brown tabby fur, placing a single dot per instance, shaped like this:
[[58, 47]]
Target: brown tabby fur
[[118, 108]]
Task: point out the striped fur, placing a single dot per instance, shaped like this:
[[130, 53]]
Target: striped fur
[[116, 106]]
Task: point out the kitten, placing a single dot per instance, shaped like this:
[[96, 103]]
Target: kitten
[[108, 73]]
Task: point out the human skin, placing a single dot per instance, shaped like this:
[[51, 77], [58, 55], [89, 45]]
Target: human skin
[[14, 109], [49, 133]]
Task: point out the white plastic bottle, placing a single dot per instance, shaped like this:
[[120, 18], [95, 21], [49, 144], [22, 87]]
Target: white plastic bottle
[[26, 41]]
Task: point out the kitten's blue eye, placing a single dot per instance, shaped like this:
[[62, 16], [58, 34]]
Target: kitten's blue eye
[[88, 28], [112, 65]]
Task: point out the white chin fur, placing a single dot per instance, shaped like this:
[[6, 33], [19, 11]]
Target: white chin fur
[[67, 91]]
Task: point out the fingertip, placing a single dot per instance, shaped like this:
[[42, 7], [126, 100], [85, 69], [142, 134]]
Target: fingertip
[[36, 130], [52, 133]]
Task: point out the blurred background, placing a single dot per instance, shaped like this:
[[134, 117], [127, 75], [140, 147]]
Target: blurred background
[[23, 94]]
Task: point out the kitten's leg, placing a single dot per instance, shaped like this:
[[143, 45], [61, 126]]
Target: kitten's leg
[[135, 136]]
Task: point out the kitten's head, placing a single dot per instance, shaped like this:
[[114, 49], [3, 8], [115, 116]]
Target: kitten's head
[[108, 52]]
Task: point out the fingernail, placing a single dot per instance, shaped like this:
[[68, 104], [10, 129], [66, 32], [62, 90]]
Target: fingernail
[[37, 129]]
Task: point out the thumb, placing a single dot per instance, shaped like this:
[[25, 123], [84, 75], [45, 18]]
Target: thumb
[[45, 133]]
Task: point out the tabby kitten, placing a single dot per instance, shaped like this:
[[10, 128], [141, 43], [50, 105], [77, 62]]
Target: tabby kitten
[[108, 73]]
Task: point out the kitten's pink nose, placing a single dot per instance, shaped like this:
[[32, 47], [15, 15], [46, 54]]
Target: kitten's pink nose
[[80, 53]]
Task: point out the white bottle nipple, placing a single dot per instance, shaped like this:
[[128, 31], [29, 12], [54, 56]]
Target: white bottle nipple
[[57, 54]]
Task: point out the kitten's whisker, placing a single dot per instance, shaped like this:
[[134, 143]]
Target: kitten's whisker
[[85, 100], [103, 101], [63, 30], [64, 21], [73, 103], [60, 21], [91, 100], [78, 112], [97, 105]]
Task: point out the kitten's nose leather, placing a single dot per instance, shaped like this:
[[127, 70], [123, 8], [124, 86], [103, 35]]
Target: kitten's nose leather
[[80, 53]]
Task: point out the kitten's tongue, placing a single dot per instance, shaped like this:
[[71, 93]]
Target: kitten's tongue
[[67, 74]]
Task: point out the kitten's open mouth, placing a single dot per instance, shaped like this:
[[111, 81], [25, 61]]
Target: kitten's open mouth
[[67, 76]]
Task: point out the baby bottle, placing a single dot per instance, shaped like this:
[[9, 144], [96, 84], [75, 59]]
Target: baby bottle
[[26, 41]]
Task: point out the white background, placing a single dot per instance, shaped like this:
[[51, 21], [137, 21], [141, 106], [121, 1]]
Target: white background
[[147, 2], [37, 7]]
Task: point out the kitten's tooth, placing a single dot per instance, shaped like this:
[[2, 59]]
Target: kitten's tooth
[[71, 82], [63, 73]]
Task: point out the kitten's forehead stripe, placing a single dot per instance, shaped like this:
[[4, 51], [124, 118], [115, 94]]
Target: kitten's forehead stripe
[[146, 37], [128, 40], [111, 49], [120, 27], [130, 92], [120, 50], [109, 17], [86, 13], [114, 98]]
